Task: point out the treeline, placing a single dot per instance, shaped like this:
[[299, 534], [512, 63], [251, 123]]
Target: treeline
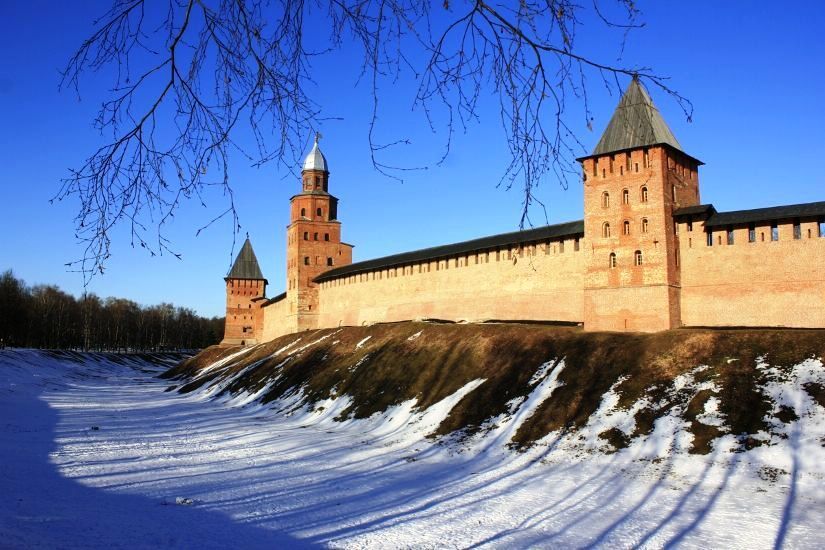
[[43, 316]]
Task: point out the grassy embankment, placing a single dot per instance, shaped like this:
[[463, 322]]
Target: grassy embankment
[[394, 366]]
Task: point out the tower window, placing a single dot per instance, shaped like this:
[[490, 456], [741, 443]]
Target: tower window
[[797, 230], [319, 212], [605, 200], [625, 196], [315, 236], [730, 235], [303, 212], [329, 261], [317, 182], [326, 236], [774, 232], [626, 228], [646, 159], [306, 260], [644, 194], [612, 260], [637, 257], [306, 235], [710, 238], [644, 225], [751, 233], [605, 230]]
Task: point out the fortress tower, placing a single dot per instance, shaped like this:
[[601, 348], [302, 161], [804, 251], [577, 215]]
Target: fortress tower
[[313, 241], [634, 180], [245, 286]]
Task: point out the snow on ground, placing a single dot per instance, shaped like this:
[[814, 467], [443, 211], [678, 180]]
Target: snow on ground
[[98, 454]]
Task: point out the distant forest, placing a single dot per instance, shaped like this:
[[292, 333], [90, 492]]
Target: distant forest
[[43, 316]]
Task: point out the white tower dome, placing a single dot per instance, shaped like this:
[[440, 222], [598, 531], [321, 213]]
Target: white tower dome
[[315, 159]]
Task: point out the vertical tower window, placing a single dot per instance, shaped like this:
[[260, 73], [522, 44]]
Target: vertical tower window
[[306, 260], [315, 236], [329, 261], [644, 225], [303, 212], [774, 232], [317, 182], [797, 230], [751, 233], [605, 230], [643, 194], [730, 235], [626, 227], [326, 236], [306, 235], [646, 159], [612, 260], [625, 196], [319, 212], [605, 200], [710, 237], [637, 257]]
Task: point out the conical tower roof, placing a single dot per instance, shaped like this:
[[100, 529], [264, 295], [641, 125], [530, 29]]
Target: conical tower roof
[[246, 264], [635, 123], [316, 160]]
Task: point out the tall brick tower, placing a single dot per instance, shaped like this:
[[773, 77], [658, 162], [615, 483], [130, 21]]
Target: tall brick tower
[[245, 287], [634, 180], [313, 240]]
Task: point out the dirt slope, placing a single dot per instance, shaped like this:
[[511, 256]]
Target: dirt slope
[[384, 365]]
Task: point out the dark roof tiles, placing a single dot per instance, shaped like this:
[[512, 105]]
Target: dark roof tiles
[[246, 264], [774, 213], [635, 123]]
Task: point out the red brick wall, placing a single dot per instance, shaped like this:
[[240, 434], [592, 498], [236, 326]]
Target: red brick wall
[[764, 283], [244, 320]]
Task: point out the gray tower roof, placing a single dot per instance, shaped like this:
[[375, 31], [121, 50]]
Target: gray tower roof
[[315, 159], [635, 123], [246, 264]]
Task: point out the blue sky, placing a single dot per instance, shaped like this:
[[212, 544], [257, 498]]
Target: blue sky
[[755, 75]]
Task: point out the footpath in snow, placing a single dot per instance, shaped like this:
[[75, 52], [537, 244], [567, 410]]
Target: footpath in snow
[[96, 453]]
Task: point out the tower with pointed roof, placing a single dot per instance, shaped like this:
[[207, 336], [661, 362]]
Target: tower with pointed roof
[[635, 178], [245, 288], [313, 241]]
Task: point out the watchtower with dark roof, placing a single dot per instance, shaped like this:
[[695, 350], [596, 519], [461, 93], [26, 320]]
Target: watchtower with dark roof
[[245, 288], [313, 241], [635, 178]]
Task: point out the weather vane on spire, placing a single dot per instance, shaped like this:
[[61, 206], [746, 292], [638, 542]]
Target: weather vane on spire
[[318, 136]]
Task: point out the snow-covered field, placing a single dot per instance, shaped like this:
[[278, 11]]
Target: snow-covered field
[[98, 454]]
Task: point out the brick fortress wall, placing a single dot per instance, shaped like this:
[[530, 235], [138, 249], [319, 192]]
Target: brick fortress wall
[[537, 281], [762, 283]]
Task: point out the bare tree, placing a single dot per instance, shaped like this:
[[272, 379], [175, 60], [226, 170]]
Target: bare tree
[[191, 74]]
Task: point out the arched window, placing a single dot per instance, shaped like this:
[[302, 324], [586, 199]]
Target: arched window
[[326, 236], [605, 230], [605, 200], [317, 182], [315, 237], [626, 228], [612, 262], [319, 212], [637, 257], [306, 235], [329, 261], [625, 196], [644, 225], [644, 194], [303, 212]]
